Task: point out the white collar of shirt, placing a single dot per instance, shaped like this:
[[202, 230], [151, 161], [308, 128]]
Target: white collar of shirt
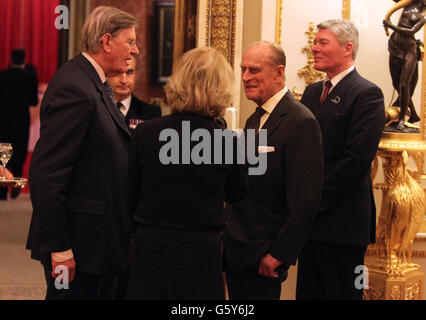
[[95, 65], [126, 105], [336, 79], [270, 105]]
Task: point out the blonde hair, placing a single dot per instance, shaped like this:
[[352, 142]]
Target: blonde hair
[[100, 21], [201, 83]]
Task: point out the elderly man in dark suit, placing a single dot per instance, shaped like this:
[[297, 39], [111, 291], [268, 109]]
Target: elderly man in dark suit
[[78, 170], [265, 232], [351, 114], [134, 110]]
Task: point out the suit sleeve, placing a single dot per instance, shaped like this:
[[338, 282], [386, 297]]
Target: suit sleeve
[[134, 180], [304, 176], [65, 119], [237, 183], [362, 138]]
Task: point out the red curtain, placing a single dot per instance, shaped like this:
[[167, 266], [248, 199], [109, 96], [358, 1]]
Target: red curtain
[[30, 24]]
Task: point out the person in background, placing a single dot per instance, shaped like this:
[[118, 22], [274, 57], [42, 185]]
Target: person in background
[[351, 114], [19, 91], [134, 110], [178, 206], [78, 172]]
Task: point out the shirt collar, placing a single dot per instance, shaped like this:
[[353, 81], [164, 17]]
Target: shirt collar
[[126, 103], [95, 65], [271, 103], [337, 78]]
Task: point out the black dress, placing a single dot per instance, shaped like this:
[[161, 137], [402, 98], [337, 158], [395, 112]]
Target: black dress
[[178, 208]]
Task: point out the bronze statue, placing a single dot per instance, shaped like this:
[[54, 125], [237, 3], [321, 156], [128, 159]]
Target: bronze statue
[[404, 54]]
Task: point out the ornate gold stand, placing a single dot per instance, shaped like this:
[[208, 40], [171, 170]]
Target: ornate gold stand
[[392, 275]]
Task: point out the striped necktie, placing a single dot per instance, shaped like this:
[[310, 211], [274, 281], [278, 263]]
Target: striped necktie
[[326, 90], [110, 91]]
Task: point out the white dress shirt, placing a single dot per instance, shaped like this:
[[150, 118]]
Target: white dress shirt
[[270, 105], [336, 79], [126, 105]]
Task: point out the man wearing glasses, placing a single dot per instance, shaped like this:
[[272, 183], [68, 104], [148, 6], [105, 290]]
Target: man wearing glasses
[[79, 228]]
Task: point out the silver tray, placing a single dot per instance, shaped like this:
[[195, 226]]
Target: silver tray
[[15, 182]]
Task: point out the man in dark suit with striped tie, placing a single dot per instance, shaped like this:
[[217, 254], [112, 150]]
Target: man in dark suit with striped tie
[[350, 111], [265, 232], [78, 173], [134, 110]]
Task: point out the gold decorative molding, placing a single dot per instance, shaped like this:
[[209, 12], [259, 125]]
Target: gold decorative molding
[[278, 21], [220, 33], [80, 14], [308, 72], [179, 37], [346, 9], [393, 275], [423, 97], [396, 145], [374, 252], [407, 286]]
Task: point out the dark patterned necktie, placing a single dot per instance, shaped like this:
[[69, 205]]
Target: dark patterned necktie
[[253, 122], [119, 105], [110, 91], [327, 86]]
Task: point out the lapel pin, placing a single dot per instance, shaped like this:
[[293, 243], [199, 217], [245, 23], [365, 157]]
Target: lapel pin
[[336, 100]]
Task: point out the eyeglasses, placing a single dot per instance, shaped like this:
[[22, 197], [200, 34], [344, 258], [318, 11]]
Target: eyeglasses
[[132, 43]]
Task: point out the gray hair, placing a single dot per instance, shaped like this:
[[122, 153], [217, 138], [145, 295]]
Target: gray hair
[[100, 21], [278, 56], [345, 32]]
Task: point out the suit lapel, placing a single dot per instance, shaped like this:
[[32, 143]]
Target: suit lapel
[[111, 107], [335, 99], [274, 119]]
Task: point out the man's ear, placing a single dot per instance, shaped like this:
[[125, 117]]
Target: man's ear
[[349, 48], [281, 71], [105, 42]]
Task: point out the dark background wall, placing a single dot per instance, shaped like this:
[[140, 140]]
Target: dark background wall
[[144, 11]]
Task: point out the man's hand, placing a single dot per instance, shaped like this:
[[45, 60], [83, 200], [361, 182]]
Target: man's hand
[[69, 264], [267, 266]]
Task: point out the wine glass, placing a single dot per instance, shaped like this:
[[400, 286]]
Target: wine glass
[[5, 153]]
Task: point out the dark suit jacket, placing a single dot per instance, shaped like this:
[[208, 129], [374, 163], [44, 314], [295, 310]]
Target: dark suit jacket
[[78, 173], [140, 110], [352, 119], [185, 196], [277, 214]]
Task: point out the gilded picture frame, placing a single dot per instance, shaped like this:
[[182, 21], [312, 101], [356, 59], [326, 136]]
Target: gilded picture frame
[[164, 41]]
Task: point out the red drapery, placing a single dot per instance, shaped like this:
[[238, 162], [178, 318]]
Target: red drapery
[[30, 24]]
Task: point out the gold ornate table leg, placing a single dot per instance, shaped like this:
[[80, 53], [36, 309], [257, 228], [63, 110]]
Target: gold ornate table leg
[[393, 276]]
